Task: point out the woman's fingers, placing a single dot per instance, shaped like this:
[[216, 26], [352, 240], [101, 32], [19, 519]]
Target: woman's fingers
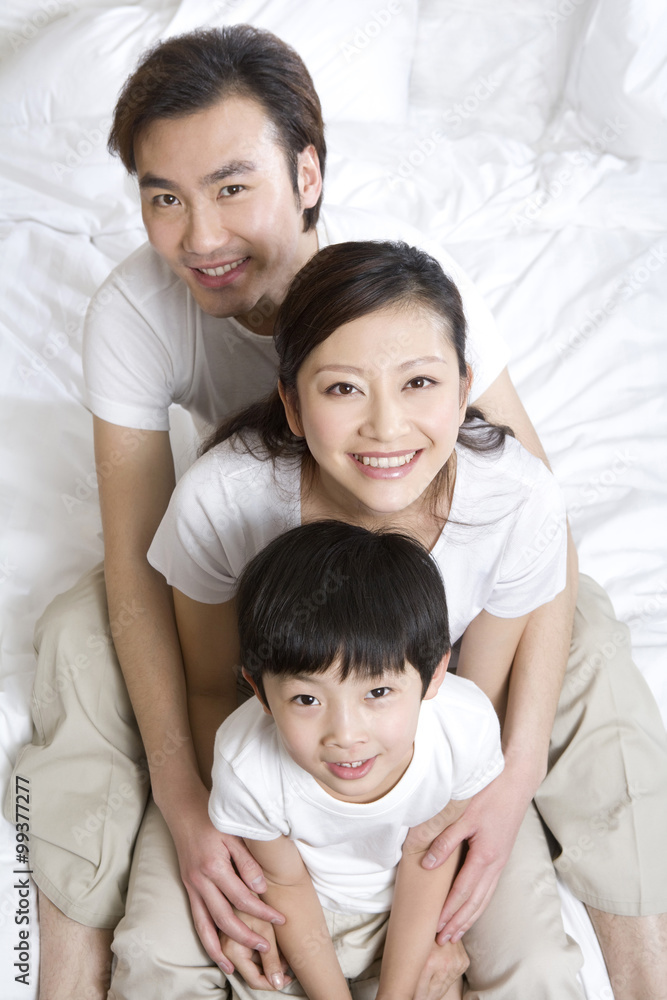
[[208, 933], [265, 972], [443, 967], [446, 842], [467, 900]]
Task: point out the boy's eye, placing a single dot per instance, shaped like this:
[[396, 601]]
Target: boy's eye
[[305, 699], [380, 692], [341, 389]]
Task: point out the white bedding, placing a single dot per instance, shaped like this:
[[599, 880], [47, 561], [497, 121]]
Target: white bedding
[[528, 135]]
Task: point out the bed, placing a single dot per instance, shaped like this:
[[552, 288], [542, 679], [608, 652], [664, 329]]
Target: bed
[[526, 135]]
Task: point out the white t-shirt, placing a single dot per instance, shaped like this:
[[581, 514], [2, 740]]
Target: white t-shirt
[[147, 343], [351, 849], [502, 549]]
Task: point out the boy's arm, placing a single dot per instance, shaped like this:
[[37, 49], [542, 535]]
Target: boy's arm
[[415, 911], [304, 938]]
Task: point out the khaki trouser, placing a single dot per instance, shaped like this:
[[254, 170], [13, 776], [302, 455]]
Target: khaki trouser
[[604, 802]]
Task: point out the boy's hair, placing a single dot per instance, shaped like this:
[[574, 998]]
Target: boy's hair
[[332, 592], [192, 72]]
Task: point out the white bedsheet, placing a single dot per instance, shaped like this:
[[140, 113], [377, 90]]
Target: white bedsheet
[[528, 135]]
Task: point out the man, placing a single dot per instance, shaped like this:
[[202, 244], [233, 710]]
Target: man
[[224, 131]]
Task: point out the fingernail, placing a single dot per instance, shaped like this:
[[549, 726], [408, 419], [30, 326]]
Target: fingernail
[[277, 980], [440, 927], [262, 946], [430, 861], [277, 920], [258, 884], [457, 937], [446, 938]]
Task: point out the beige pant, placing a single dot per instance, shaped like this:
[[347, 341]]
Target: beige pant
[[604, 802]]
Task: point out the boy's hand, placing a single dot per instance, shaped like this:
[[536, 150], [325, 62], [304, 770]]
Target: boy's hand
[[490, 824], [261, 971], [444, 966]]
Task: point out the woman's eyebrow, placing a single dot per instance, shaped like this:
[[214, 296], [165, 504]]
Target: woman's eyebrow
[[350, 369]]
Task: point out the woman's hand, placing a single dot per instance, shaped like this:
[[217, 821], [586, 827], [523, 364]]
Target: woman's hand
[[490, 824], [207, 859], [261, 971], [444, 966]]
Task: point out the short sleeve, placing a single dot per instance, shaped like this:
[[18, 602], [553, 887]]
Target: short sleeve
[[475, 733], [233, 808], [127, 371], [191, 547], [533, 566]]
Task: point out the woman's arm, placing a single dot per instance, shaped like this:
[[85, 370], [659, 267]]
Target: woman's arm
[[304, 938], [519, 664], [415, 910], [208, 858]]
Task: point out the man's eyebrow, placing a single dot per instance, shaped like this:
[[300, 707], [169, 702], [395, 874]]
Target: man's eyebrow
[[233, 168]]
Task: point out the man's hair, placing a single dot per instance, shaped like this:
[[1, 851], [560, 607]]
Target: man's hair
[[193, 72], [330, 592]]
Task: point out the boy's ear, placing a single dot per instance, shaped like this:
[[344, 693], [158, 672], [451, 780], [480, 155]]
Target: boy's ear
[[258, 694], [438, 677]]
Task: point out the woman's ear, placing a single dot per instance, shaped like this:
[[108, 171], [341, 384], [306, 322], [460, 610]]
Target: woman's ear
[[291, 403], [466, 386], [258, 693], [438, 677]]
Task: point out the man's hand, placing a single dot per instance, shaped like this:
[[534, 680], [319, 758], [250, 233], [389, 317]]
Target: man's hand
[[261, 971], [490, 824], [209, 862]]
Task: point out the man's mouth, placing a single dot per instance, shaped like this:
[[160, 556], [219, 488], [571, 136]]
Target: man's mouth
[[385, 461], [216, 272]]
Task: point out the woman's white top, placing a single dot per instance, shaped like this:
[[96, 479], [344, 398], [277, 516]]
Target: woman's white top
[[503, 548]]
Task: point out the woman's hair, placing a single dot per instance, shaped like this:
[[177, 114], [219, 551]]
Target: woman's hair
[[330, 592], [192, 72], [341, 283]]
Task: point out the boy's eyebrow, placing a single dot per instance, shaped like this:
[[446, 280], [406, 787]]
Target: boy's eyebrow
[[234, 167]]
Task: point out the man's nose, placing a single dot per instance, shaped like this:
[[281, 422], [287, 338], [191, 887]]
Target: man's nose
[[205, 232]]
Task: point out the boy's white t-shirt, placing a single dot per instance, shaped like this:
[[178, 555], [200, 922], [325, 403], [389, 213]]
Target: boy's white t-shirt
[[147, 344], [503, 548], [351, 849]]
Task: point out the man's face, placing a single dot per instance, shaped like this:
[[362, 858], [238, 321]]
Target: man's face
[[216, 196]]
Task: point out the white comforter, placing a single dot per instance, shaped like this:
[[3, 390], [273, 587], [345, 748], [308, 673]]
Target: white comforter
[[528, 135]]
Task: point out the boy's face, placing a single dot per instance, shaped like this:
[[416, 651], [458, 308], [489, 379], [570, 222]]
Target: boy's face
[[216, 191], [354, 737]]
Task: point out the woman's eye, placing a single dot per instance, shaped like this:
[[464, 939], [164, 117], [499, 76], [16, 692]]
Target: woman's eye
[[341, 389], [231, 189], [305, 699], [381, 692], [419, 382], [165, 200]]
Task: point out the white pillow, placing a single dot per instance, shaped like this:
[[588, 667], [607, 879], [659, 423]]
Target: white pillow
[[359, 53]]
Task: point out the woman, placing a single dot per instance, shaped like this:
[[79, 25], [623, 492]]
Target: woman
[[370, 426]]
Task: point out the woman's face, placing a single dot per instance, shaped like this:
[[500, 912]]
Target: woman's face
[[380, 403]]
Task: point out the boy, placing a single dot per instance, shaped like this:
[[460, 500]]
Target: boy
[[345, 642]]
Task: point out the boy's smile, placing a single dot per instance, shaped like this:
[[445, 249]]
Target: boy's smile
[[354, 736]]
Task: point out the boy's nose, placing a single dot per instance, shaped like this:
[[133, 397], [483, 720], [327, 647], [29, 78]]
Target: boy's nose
[[345, 731]]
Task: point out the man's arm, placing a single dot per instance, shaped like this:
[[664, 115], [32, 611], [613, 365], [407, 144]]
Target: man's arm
[[135, 488], [415, 911], [304, 938]]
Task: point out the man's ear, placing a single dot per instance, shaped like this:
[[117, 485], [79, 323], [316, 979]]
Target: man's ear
[[438, 677], [309, 177], [258, 694], [291, 403]]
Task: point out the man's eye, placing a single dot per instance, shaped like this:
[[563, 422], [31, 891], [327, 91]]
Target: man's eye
[[341, 389], [165, 200], [381, 692], [306, 699], [231, 189]]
